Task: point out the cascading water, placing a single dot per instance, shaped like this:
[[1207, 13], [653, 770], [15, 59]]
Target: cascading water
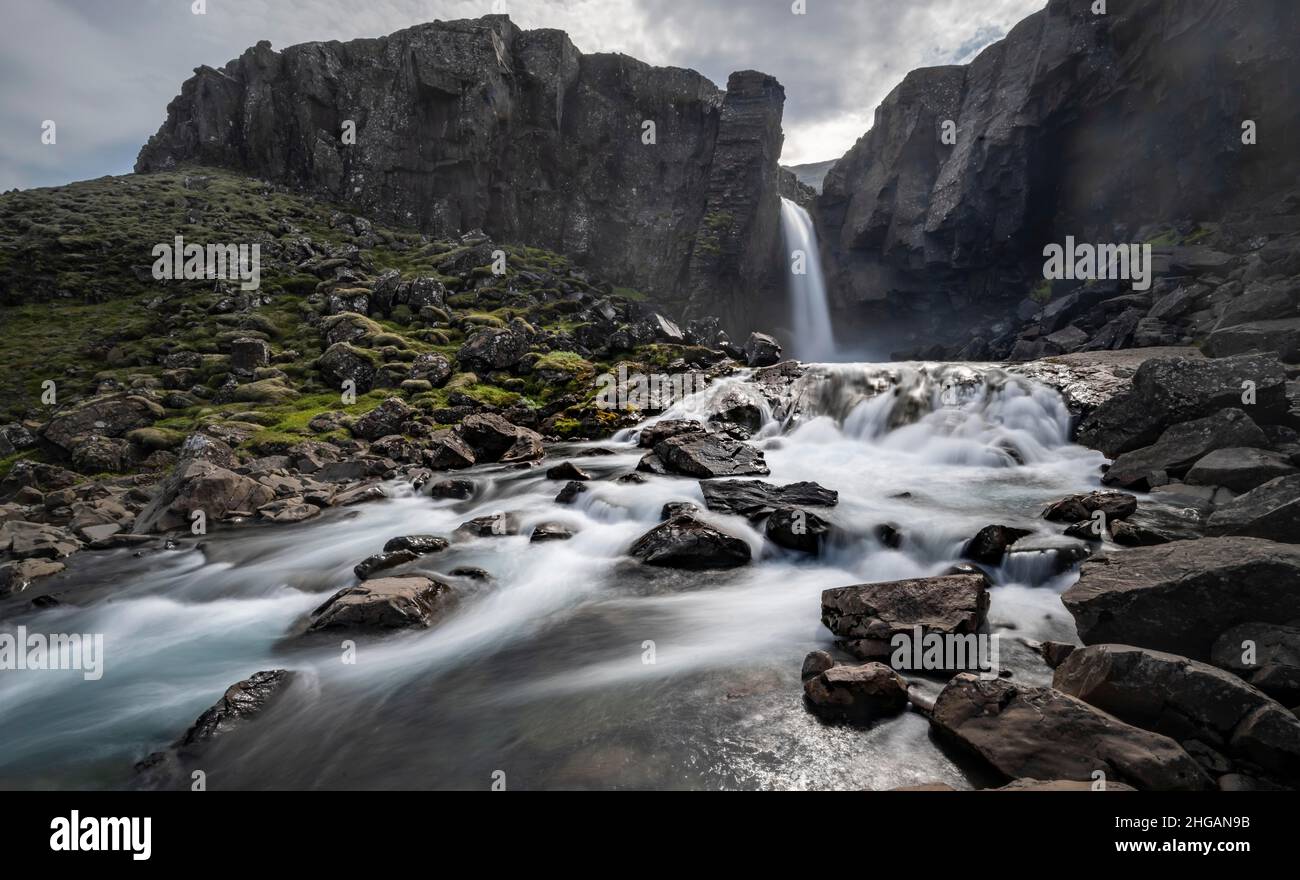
[[814, 339], [542, 672]]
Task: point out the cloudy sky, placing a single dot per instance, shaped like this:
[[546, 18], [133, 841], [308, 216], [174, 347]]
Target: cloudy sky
[[104, 70]]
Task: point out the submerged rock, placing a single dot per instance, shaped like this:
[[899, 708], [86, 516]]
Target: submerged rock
[[991, 542], [796, 529], [384, 604], [686, 542], [755, 499]]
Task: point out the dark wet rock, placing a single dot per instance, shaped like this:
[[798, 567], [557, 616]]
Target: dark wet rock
[[1179, 597], [762, 350], [632, 478], [796, 529], [384, 604], [739, 407], [651, 435], [678, 508], [28, 540], [755, 499], [1115, 505], [816, 663], [889, 535], [1167, 391], [1240, 470], [458, 489], [686, 542], [1041, 733], [991, 542], [567, 471], [550, 532], [372, 565], [868, 616], [652, 464], [1183, 445], [710, 457], [1270, 511], [494, 525], [570, 492], [1155, 524], [1055, 653], [446, 450], [494, 439], [856, 694], [1280, 337], [471, 573], [417, 544], [1185, 700], [1267, 655], [384, 420], [241, 703]]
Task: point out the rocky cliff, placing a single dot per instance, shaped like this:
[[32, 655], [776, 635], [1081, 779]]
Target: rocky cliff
[[1097, 126], [478, 124]]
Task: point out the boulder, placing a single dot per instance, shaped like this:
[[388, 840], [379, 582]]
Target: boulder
[[570, 492], [1041, 733], [550, 532], [248, 354], [686, 542], [816, 663], [18, 576], [856, 694], [420, 545], [567, 471], [1181, 446], [710, 456], [1179, 597], [1280, 337], [288, 510], [739, 406], [1167, 391], [384, 420], [28, 540], [494, 439], [1187, 701], [1155, 524], [241, 703], [199, 484], [111, 416], [796, 529], [446, 450], [651, 435], [868, 616], [1267, 655], [343, 361], [1076, 508], [991, 542], [494, 525], [755, 499], [1240, 469], [1269, 511], [460, 490], [101, 455], [762, 350], [385, 604], [492, 349], [372, 565]]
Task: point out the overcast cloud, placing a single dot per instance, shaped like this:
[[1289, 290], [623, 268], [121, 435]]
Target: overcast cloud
[[104, 70]]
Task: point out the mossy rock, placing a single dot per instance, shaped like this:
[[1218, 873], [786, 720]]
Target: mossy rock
[[265, 391], [155, 439]]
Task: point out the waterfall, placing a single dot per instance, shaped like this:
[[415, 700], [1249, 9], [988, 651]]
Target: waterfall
[[810, 315]]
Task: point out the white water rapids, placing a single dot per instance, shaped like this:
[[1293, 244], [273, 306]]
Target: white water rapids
[[542, 673]]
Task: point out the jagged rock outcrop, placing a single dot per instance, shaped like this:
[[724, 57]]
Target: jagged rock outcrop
[[1074, 124], [478, 124]]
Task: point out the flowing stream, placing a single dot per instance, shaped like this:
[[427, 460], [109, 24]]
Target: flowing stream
[[574, 666], [810, 316]]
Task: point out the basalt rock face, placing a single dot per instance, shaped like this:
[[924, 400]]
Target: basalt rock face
[[477, 124], [1074, 124]]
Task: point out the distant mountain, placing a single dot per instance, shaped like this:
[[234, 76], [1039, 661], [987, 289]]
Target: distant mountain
[[813, 173]]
